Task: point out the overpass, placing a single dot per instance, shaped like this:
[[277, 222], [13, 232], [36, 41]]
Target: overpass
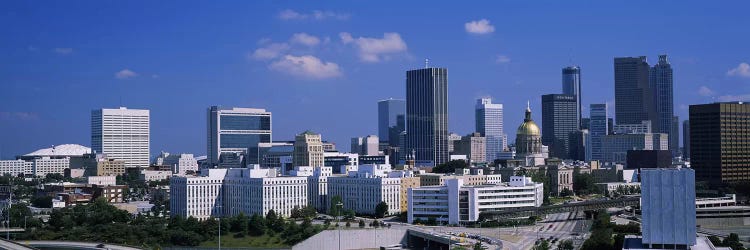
[[50, 244], [560, 208], [6, 244]]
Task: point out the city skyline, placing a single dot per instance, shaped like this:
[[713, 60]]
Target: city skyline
[[50, 63]]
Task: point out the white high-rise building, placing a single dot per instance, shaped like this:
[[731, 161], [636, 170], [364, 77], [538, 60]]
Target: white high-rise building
[[489, 123], [122, 134], [237, 131], [46, 165], [668, 207], [444, 203], [317, 188], [15, 167]]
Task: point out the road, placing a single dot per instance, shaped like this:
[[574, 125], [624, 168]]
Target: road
[[4, 244], [74, 245]]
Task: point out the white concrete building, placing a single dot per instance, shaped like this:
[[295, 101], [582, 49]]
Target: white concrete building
[[180, 163], [15, 167], [102, 180], [154, 175], [197, 196], [668, 207], [442, 202], [363, 189], [122, 134], [317, 188], [46, 165]]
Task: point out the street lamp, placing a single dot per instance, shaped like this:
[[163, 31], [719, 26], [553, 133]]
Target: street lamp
[[338, 220], [219, 209]]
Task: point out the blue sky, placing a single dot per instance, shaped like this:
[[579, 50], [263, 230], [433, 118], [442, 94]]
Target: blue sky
[[323, 65]]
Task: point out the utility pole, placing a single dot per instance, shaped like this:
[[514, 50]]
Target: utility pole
[[338, 220]]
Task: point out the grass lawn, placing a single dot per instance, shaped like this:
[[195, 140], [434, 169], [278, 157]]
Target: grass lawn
[[264, 241], [559, 200]]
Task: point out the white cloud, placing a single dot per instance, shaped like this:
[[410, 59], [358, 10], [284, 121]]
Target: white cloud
[[315, 15], [63, 51], [305, 39], [742, 70], [480, 27], [306, 66], [734, 98], [502, 59], [376, 49], [705, 91], [271, 51], [125, 74]]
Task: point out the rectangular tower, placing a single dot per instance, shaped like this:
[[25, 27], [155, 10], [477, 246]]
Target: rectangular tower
[[668, 207], [597, 130], [427, 115], [489, 123], [237, 130], [660, 80], [388, 124], [571, 85], [122, 134], [719, 145], [559, 119], [633, 93]]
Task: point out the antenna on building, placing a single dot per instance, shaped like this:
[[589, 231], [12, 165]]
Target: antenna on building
[[528, 104], [426, 63]]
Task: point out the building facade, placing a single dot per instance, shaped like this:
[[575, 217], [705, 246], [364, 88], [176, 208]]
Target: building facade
[[389, 124], [719, 148], [571, 85], [15, 167], [559, 118], [197, 196], [634, 99], [427, 115], [661, 81], [686, 140], [640, 159], [455, 202], [668, 207], [615, 147], [597, 130], [489, 123], [236, 131], [179, 163], [473, 146], [308, 150], [122, 134]]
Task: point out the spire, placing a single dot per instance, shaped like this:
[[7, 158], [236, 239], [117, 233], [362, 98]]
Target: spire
[[528, 112]]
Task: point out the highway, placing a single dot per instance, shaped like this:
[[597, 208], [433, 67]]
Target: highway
[[74, 245], [4, 244]]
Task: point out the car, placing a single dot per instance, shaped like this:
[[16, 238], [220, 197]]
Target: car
[[100, 246]]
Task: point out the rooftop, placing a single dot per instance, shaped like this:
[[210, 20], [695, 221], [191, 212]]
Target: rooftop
[[62, 150]]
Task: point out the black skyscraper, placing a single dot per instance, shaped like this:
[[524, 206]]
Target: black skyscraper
[[427, 115]]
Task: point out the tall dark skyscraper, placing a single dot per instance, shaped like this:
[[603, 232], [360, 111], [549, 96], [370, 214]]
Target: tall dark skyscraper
[[388, 123], [660, 80], [427, 115], [686, 139], [633, 94], [571, 85], [597, 130], [674, 143], [559, 119], [719, 145]]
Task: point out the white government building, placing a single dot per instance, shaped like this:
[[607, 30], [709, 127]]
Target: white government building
[[227, 192], [364, 188], [455, 203]]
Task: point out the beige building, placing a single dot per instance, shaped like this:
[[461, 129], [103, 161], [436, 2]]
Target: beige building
[[473, 146], [406, 184], [560, 177], [468, 180], [308, 150]]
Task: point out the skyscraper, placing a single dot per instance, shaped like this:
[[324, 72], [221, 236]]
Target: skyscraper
[[719, 135], [660, 81], [427, 115], [571, 85], [308, 150], [674, 143], [686, 139], [122, 134], [597, 130], [237, 131], [559, 119], [633, 94], [489, 123], [388, 120]]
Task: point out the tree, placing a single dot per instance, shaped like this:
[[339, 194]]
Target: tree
[[349, 214], [256, 225], [584, 184], [381, 209], [733, 241], [566, 245], [543, 245], [296, 212], [348, 224], [239, 223], [334, 208], [361, 223], [431, 221], [566, 192], [375, 223], [478, 246], [309, 212], [450, 167]]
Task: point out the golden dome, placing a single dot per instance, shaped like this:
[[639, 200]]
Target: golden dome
[[528, 127]]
